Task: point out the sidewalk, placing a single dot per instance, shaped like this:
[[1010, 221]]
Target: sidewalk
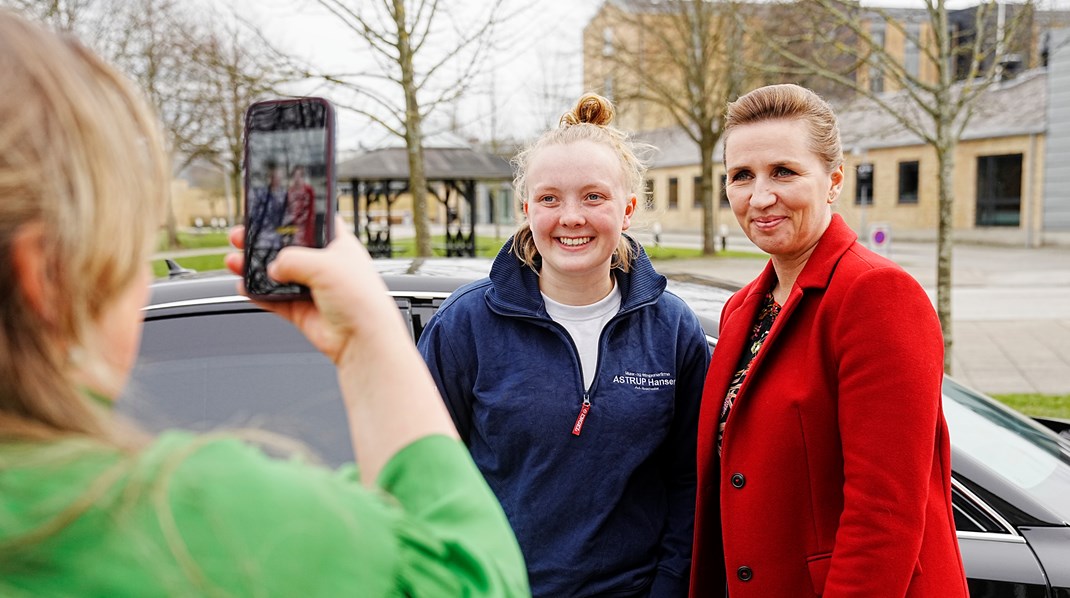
[[1010, 308]]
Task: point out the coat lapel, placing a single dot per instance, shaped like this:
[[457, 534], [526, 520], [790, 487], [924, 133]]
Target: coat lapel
[[816, 275]]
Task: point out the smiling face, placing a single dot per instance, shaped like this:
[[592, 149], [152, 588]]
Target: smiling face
[[579, 205], [780, 190]]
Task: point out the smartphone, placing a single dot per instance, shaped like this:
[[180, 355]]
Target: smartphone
[[289, 186]]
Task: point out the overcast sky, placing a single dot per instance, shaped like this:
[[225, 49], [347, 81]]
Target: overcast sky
[[539, 55]]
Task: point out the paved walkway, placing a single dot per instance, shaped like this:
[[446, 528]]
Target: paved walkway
[[1010, 308]]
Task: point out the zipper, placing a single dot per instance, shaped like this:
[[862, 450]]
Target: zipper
[[582, 417]]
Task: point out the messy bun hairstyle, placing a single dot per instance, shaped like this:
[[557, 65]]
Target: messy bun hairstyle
[[589, 120]]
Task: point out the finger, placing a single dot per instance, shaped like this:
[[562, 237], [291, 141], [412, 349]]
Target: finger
[[235, 262], [341, 228], [236, 235]]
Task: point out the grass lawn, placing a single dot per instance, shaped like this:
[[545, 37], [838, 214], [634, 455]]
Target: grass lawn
[[200, 263], [1038, 405], [190, 240]]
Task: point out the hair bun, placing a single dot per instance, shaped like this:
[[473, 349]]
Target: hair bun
[[591, 108]]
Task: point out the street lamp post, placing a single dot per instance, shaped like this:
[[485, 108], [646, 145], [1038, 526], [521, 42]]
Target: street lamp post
[[865, 171], [863, 178]]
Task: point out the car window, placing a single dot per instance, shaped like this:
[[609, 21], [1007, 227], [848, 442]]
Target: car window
[[1013, 447], [238, 370]]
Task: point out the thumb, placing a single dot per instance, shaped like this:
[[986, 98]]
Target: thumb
[[294, 264]]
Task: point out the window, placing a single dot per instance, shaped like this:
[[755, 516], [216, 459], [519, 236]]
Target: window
[[999, 190], [607, 87], [607, 41], [696, 193], [864, 184], [674, 193], [649, 192], [876, 75], [911, 52], [908, 182]]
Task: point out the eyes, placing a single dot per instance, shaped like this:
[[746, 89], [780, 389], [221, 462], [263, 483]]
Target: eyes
[[778, 172], [592, 197]]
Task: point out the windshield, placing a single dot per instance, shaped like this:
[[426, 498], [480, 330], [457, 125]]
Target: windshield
[[1012, 446]]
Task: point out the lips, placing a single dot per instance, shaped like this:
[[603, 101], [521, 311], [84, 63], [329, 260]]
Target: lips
[[767, 222]]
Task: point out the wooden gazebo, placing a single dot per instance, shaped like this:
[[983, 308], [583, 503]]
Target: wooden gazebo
[[380, 177]]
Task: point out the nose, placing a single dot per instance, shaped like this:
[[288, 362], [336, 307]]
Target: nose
[[572, 214], [764, 195]]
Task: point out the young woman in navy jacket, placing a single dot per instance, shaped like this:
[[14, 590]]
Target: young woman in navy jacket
[[575, 378]]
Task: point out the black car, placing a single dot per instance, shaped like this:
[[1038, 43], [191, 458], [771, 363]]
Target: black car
[[210, 359]]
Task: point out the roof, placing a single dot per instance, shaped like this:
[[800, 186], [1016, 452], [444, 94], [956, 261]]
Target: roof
[[1014, 107], [672, 147], [450, 163]]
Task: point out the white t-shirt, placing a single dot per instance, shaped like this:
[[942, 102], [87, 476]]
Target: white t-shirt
[[584, 324]]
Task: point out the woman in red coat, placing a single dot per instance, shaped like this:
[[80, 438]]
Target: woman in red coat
[[823, 460]]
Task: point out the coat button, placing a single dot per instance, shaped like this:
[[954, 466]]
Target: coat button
[[738, 480], [744, 573]]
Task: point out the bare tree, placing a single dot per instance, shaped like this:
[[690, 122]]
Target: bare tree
[[239, 66], [151, 40], [62, 15], [427, 56], [960, 60], [200, 75], [675, 58]]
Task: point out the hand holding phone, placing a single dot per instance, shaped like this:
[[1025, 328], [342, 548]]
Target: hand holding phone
[[289, 186]]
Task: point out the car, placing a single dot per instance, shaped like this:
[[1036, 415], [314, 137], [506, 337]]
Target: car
[[212, 360]]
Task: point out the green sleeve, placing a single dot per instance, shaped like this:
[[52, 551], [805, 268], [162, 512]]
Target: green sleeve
[[455, 533], [264, 526]]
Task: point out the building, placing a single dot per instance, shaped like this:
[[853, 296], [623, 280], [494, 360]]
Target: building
[[1008, 187]]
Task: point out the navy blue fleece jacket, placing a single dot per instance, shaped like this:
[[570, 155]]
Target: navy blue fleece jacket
[[607, 511]]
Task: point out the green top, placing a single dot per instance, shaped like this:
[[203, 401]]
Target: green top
[[211, 516]]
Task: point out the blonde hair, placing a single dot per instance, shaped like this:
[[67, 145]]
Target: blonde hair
[[790, 102], [589, 120], [82, 157]]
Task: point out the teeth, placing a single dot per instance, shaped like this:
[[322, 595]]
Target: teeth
[[575, 242]]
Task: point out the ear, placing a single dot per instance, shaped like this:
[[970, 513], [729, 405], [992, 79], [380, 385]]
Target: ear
[[629, 209], [837, 184], [30, 263], [525, 207]]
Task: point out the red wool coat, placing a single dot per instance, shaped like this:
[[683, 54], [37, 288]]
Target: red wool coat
[[835, 477]]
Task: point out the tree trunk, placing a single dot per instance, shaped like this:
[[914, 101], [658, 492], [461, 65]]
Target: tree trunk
[[171, 224], [709, 202], [237, 190], [413, 134], [945, 155]]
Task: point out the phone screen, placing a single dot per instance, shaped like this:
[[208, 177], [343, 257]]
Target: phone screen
[[289, 185]]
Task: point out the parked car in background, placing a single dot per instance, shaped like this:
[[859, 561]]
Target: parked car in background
[[211, 360]]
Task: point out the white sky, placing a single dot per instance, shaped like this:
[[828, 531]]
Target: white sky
[[540, 50]]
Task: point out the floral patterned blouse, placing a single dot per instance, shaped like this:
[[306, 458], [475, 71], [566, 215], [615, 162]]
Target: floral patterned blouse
[[766, 316]]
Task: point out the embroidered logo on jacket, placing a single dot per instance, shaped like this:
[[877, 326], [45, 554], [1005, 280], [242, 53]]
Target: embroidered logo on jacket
[[645, 381]]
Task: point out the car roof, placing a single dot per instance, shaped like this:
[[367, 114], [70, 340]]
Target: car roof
[[421, 276]]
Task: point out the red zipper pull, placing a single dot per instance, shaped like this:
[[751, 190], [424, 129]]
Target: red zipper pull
[[582, 417]]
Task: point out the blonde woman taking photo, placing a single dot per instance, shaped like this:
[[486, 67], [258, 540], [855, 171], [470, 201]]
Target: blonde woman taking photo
[[89, 507]]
